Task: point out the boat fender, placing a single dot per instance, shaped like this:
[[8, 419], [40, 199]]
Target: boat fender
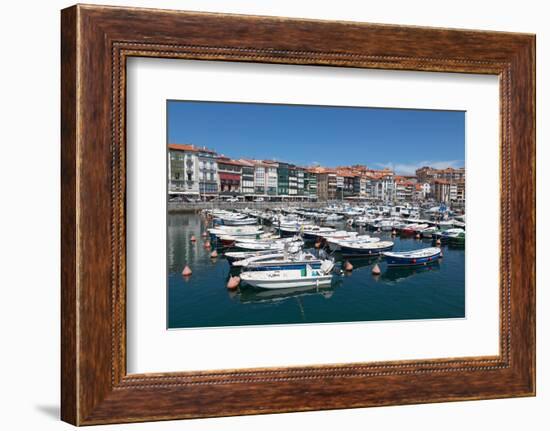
[[186, 271], [233, 282]]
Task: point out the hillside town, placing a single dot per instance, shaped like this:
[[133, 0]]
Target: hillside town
[[201, 174]]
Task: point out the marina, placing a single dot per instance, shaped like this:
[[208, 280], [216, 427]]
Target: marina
[[333, 263]]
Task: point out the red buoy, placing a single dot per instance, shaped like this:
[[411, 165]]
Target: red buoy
[[205, 234], [438, 241], [214, 254], [193, 239], [207, 244], [317, 245], [186, 271], [376, 270], [233, 282]]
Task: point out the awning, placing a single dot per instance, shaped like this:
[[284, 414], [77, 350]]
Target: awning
[[233, 177]]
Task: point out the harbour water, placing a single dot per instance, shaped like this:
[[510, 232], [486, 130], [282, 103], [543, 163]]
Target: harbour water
[[435, 291]]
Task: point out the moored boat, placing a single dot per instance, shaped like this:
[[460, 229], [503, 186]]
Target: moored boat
[[364, 248], [422, 256], [289, 278], [280, 261]]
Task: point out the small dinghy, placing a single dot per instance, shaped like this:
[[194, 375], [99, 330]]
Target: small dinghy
[[365, 248], [414, 257], [289, 278]]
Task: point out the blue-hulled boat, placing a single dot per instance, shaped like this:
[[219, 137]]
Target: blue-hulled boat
[[423, 256]]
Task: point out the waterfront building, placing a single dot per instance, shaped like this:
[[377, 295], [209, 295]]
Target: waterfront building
[[292, 181], [271, 172], [247, 178], [300, 176], [230, 173], [339, 185], [326, 184], [461, 191], [345, 180], [404, 189], [183, 171], [208, 173], [426, 190], [260, 180], [382, 184], [283, 179], [444, 191], [428, 174], [310, 184]]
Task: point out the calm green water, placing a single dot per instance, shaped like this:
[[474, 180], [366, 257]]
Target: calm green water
[[202, 300]]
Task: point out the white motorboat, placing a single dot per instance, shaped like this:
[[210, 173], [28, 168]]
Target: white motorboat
[[234, 256], [289, 278], [335, 244], [279, 244], [280, 261], [362, 248]]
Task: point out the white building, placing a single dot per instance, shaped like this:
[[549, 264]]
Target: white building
[[183, 170]]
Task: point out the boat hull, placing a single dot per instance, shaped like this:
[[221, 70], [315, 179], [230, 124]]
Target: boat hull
[[408, 261], [351, 251], [290, 283]]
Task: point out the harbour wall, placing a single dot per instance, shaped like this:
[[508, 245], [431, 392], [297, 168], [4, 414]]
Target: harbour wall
[[193, 207]]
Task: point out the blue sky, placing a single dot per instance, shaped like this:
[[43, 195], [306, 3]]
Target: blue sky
[[402, 139]]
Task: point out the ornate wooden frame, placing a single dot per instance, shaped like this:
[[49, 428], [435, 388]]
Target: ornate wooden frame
[[96, 41]]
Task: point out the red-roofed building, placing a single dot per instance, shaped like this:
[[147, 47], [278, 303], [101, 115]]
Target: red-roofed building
[[230, 174]]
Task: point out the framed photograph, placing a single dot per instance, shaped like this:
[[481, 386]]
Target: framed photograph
[[295, 214]]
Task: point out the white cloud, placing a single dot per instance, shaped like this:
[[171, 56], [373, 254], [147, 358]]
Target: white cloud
[[410, 168]]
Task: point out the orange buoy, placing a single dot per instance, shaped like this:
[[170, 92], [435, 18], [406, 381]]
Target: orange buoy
[[186, 271], [376, 270], [207, 244], [233, 282], [438, 241], [317, 245], [394, 232], [193, 239], [214, 254], [417, 236], [348, 266]]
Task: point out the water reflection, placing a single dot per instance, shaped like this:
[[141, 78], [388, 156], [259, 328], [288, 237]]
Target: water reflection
[[247, 295], [398, 274]]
